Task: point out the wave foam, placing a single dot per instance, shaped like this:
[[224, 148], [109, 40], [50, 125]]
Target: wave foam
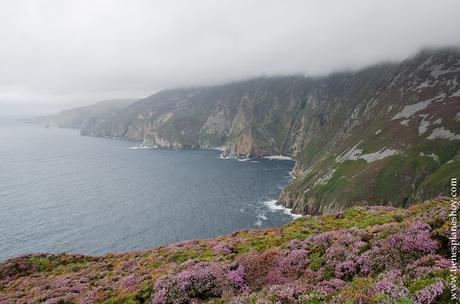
[[271, 204], [221, 156], [260, 217], [140, 147], [277, 157], [244, 159]]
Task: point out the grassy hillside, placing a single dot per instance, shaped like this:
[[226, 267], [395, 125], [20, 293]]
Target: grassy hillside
[[361, 255]]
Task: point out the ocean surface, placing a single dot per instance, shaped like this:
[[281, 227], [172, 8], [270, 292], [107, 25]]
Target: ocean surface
[[62, 192]]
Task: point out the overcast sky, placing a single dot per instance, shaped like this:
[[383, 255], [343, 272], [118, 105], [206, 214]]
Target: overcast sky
[[58, 53]]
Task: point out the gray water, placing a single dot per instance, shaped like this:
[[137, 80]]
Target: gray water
[[62, 192]]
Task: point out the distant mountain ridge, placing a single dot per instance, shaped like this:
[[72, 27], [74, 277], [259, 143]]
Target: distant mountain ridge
[[387, 134], [83, 117]]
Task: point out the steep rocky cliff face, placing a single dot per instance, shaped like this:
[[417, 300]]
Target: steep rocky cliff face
[[388, 134]]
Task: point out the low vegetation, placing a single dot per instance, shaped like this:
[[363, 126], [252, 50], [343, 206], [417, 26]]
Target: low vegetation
[[361, 255]]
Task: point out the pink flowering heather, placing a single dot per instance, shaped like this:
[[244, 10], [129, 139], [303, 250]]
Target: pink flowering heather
[[381, 208], [129, 282], [434, 216], [358, 246], [258, 266], [336, 254], [430, 293], [296, 260], [237, 278], [311, 260], [294, 292], [58, 300], [330, 286], [345, 269], [392, 286], [382, 231], [368, 263], [323, 239], [428, 265], [61, 282], [398, 249], [89, 298], [416, 238], [276, 276], [129, 265], [224, 249], [288, 268], [202, 281], [295, 244], [167, 291], [282, 293]]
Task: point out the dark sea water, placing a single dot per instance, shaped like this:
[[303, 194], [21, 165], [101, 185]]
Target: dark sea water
[[62, 192]]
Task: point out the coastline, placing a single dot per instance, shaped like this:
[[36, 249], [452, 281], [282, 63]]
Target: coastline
[[224, 156]]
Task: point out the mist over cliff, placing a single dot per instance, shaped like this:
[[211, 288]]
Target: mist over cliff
[[387, 134], [84, 117]]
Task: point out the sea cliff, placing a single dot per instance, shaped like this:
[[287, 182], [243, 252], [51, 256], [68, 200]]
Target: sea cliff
[[387, 135]]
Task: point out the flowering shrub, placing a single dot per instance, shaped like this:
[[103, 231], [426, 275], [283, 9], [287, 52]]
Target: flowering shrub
[[336, 254], [237, 279], [220, 248], [398, 249], [345, 269], [323, 240], [61, 282], [289, 268], [330, 286], [391, 286], [203, 281], [388, 259], [282, 293], [129, 282], [296, 259], [89, 298], [128, 265], [428, 265], [258, 266], [430, 293]]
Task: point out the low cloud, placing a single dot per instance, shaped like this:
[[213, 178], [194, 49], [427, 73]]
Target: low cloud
[[58, 53]]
